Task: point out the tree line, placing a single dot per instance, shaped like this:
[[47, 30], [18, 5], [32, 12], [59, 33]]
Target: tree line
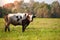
[[42, 10]]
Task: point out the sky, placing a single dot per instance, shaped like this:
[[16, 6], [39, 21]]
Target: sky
[[48, 1], [2, 2]]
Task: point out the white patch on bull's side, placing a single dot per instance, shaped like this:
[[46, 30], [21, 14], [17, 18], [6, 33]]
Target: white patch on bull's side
[[13, 17], [17, 14]]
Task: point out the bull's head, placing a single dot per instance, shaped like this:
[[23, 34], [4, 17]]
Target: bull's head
[[30, 17]]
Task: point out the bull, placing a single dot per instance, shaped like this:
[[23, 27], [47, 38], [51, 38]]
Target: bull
[[23, 19]]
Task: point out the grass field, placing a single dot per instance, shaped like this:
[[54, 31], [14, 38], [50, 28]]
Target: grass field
[[39, 29]]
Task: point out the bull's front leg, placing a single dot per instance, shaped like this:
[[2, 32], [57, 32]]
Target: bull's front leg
[[23, 28], [24, 25]]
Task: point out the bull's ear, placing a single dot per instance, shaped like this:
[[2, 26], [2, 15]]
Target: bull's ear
[[34, 16], [25, 14]]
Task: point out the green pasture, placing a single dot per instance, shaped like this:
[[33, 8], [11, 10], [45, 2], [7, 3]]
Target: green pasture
[[39, 29]]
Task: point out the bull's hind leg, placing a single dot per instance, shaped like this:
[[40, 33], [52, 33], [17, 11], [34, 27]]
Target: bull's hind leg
[[7, 27]]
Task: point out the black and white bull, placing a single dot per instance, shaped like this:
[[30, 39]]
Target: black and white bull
[[18, 19]]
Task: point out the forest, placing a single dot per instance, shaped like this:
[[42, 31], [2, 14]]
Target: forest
[[40, 10]]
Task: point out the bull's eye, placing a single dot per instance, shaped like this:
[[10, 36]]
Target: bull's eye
[[28, 17], [21, 17]]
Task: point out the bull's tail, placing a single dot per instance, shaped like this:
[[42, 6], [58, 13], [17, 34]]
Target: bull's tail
[[6, 17]]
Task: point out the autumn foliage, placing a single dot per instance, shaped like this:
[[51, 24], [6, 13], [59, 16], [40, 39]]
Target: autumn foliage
[[43, 10]]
